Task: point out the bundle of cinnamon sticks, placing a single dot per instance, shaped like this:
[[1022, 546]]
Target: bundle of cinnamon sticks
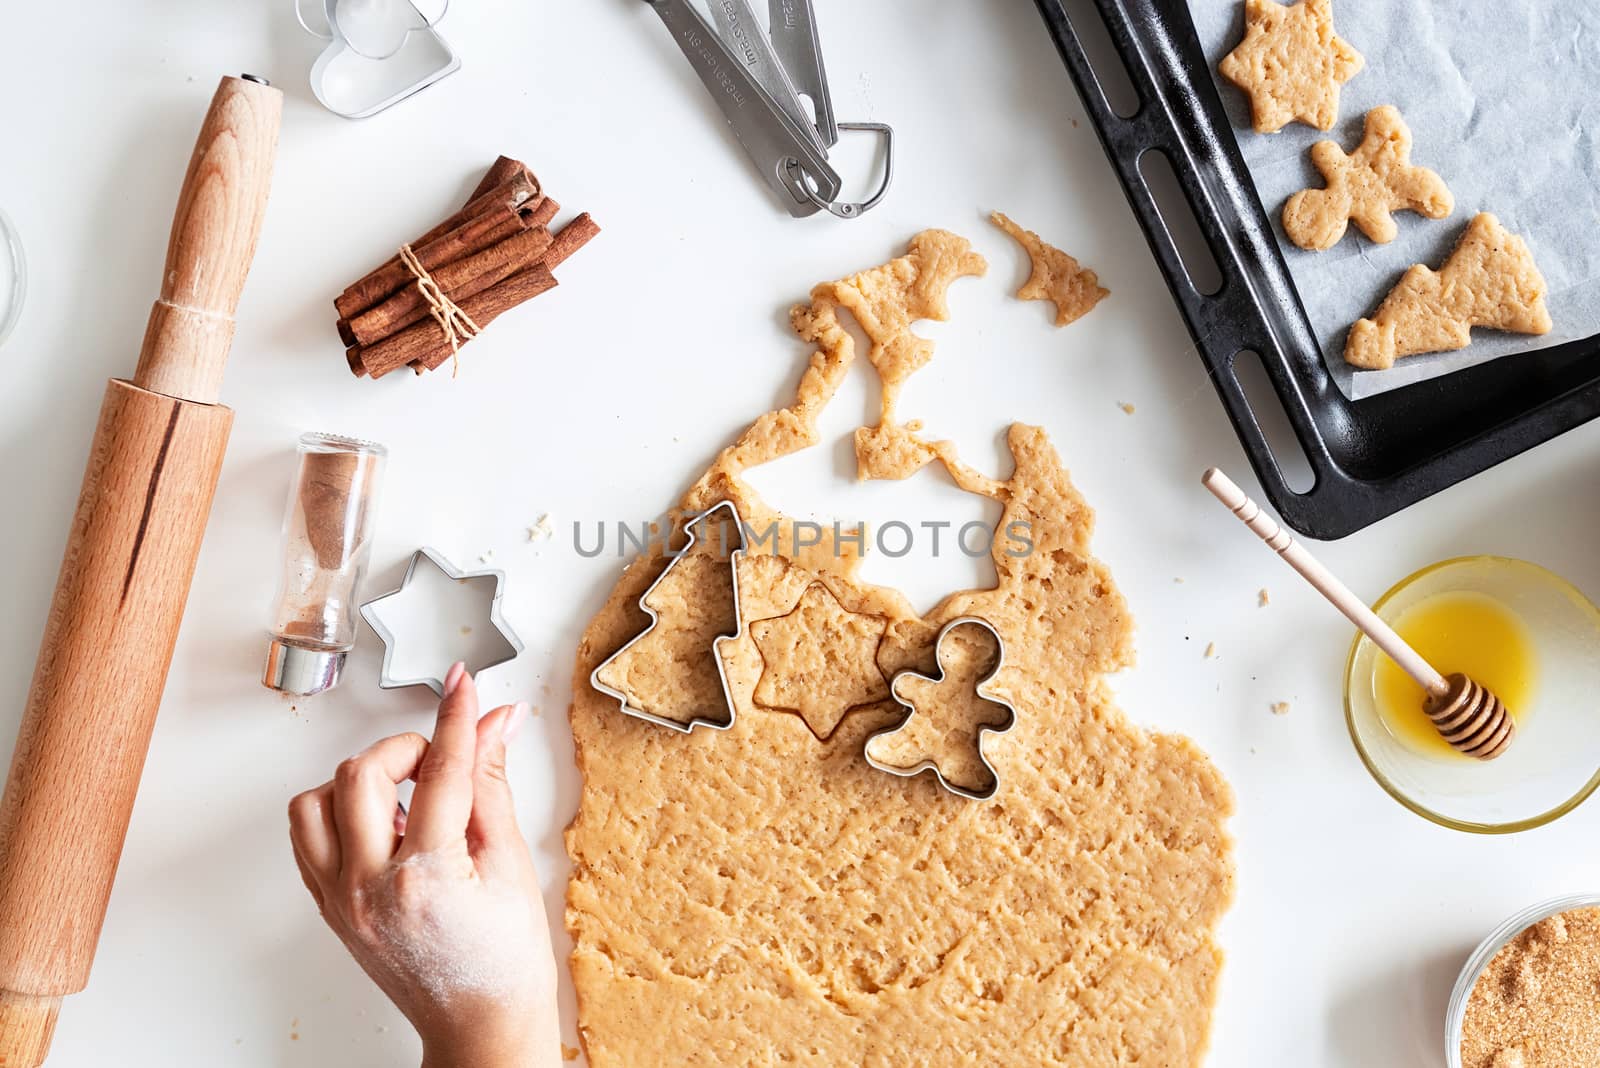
[[420, 306]]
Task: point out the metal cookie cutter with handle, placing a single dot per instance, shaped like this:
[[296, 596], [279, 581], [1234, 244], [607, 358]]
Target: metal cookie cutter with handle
[[757, 75], [511, 644], [983, 691], [697, 719]]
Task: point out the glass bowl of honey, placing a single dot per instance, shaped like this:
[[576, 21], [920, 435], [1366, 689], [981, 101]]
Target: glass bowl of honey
[[1526, 634]]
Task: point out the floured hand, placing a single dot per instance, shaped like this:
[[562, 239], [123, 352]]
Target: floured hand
[[441, 908]]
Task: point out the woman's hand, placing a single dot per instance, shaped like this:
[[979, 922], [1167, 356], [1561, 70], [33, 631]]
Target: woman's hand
[[441, 908]]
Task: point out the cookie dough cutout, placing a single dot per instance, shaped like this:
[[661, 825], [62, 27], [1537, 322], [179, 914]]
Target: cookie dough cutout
[[949, 714], [670, 669], [1291, 63], [1365, 187], [1489, 280], [821, 661], [1056, 277]]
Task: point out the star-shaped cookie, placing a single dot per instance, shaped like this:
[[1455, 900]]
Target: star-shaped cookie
[[1365, 187], [1291, 63], [821, 660], [1056, 277]]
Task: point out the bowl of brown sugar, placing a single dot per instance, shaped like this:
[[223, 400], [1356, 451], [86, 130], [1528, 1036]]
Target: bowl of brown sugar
[[1529, 993]]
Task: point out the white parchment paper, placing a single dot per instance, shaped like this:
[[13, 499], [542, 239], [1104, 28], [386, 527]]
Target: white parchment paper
[[1503, 101]]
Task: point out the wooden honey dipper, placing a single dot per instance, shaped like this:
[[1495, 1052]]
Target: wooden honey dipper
[[1471, 718]]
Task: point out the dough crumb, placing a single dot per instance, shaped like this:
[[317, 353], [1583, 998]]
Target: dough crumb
[[569, 1053], [1263, 598], [542, 529], [1280, 708], [1211, 650], [1056, 277], [1127, 409]]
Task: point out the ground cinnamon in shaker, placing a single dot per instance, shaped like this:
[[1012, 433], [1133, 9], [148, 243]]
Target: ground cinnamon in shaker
[[1537, 1004], [329, 480], [326, 542]]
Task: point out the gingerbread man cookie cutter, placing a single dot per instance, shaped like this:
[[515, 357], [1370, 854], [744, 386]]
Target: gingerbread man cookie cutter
[[983, 689], [625, 699]]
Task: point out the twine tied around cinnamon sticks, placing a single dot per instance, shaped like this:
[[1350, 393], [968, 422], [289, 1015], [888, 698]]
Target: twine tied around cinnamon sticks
[[443, 289], [456, 324]]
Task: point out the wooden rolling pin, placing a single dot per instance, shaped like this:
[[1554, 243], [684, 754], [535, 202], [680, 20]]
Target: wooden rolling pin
[[124, 579]]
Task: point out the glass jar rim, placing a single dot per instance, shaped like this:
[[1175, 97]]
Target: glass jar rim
[[321, 440]]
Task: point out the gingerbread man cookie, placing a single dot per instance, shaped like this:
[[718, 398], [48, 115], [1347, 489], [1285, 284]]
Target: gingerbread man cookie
[[1490, 280], [1291, 63], [1365, 187], [950, 713]]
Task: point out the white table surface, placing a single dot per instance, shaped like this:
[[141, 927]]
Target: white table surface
[[1352, 915]]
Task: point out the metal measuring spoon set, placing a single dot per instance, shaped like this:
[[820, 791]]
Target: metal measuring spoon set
[[758, 75]]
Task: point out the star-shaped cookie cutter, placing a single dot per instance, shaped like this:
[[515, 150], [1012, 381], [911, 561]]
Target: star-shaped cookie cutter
[[386, 677], [982, 690], [625, 700]]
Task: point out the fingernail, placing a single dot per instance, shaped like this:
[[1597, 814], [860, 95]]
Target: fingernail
[[513, 720], [400, 817], [453, 677]]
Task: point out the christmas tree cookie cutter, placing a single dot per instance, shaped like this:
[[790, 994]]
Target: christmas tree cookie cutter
[[983, 689], [697, 718]]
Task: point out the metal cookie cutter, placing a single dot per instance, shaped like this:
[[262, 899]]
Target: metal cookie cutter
[[697, 720], [513, 644], [379, 52], [757, 77], [983, 692]]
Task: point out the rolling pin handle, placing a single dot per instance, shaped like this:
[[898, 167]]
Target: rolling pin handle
[[213, 240]]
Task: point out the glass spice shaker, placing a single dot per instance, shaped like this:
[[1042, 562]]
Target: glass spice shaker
[[326, 542]]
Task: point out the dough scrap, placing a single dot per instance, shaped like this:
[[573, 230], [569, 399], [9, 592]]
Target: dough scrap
[[757, 897], [948, 713], [885, 301], [820, 661], [1056, 277], [1365, 187], [1291, 63], [1489, 280]]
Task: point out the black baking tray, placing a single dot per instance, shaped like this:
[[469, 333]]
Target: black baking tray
[[1371, 457]]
